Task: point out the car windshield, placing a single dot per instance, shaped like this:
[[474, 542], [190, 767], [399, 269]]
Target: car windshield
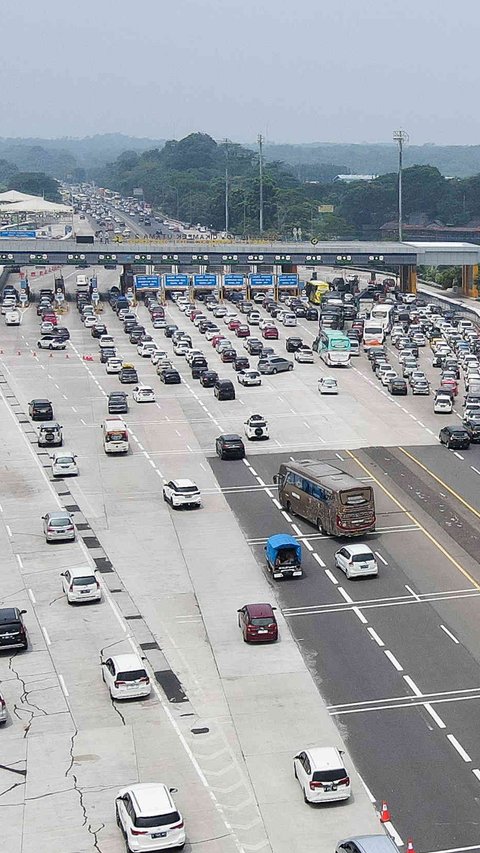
[[86, 581], [7, 627], [60, 521], [362, 558], [185, 490], [157, 820], [261, 622], [64, 460], [132, 675], [329, 775]]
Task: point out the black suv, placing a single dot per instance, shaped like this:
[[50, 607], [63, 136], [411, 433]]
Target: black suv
[[224, 389], [12, 630], [128, 375], [40, 410], [117, 403], [293, 344], [230, 447]]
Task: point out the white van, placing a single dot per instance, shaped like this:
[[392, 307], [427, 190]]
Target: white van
[[13, 317], [382, 313], [115, 435], [373, 334]]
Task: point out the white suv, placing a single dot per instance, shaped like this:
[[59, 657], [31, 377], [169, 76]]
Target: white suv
[[321, 774], [126, 677], [81, 584], [148, 817]]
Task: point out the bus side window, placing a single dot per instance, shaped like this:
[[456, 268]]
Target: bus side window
[[318, 492], [290, 478], [298, 481]]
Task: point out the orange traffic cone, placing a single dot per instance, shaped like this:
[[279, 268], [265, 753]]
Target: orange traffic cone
[[385, 813], [410, 845]]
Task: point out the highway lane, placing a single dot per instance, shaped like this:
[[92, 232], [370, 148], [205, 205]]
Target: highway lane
[[186, 595], [401, 748]]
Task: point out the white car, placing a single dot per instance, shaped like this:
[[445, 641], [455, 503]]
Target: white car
[[210, 333], [181, 347], [8, 304], [442, 404], [157, 355], [356, 561], [181, 493], [64, 463], [327, 385], [126, 677], [256, 428], [289, 319], [321, 774], [146, 348], [89, 321], [113, 364], [230, 315], [81, 584], [265, 321], [254, 318], [149, 805], [143, 394], [45, 328], [14, 318], [387, 375], [191, 354], [304, 355], [249, 377], [51, 342]]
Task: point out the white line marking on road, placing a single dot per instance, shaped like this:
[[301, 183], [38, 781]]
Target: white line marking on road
[[247, 463], [31, 596], [9, 531], [378, 554], [296, 529], [434, 716], [328, 573], [375, 637], [252, 470], [83, 422], [63, 685], [458, 746], [47, 638], [74, 409], [420, 424], [360, 615], [393, 832], [152, 463], [393, 660], [1, 508], [412, 685], [307, 544], [286, 516], [319, 561], [140, 446], [269, 493], [345, 595], [19, 560], [341, 460], [475, 469], [277, 503], [476, 773], [430, 430], [412, 592], [367, 790], [449, 634]]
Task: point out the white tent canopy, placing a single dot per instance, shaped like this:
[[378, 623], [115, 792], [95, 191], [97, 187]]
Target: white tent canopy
[[34, 204], [13, 196]]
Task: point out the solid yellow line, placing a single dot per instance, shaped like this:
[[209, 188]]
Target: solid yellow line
[[441, 482], [412, 518]]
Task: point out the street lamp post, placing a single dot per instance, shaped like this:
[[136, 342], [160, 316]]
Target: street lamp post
[[400, 136], [260, 169], [226, 187]]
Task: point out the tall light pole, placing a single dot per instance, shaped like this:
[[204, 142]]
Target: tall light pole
[[260, 169], [226, 187], [400, 136]]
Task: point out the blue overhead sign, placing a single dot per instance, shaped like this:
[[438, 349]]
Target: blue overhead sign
[[288, 279], [208, 279], [30, 234], [147, 282], [233, 279], [176, 280], [261, 279]]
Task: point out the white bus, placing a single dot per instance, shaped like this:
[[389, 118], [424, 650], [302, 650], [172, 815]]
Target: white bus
[[382, 313], [373, 334]]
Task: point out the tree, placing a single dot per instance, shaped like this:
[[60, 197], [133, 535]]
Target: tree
[[35, 183]]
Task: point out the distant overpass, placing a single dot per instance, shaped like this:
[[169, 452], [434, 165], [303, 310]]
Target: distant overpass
[[182, 254]]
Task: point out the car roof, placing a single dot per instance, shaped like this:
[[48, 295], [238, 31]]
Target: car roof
[[182, 484], [325, 757], [372, 843], [37, 400], [152, 798], [9, 614], [59, 513], [63, 452], [258, 610], [81, 571], [126, 662], [357, 548], [232, 436]]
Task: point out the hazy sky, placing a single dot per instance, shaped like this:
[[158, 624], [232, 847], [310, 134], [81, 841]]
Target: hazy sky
[[305, 70]]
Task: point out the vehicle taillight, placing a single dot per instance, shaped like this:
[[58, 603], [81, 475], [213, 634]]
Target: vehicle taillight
[[119, 683], [97, 584], [344, 781], [50, 529], [178, 825], [139, 831], [70, 589], [144, 680], [315, 785]]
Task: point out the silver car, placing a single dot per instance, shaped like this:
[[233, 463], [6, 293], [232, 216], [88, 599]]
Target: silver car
[[58, 526], [275, 364]]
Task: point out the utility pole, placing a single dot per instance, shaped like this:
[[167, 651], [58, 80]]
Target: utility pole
[[400, 136], [226, 187], [260, 168]]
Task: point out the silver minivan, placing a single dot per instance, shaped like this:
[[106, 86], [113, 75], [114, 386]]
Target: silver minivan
[[367, 844]]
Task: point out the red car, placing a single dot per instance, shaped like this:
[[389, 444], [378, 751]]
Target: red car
[[242, 331], [270, 333], [450, 385], [216, 340], [49, 317], [258, 623], [228, 356], [234, 324]]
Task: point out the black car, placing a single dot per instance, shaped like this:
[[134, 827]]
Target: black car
[[136, 334], [204, 325], [128, 375], [300, 312], [129, 326], [117, 403], [98, 330], [230, 447], [40, 410], [311, 314], [13, 634], [398, 386], [61, 332], [224, 389], [241, 363], [228, 356], [169, 330], [454, 436], [473, 428], [208, 378], [170, 376], [106, 353], [254, 346], [293, 344], [198, 366]]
